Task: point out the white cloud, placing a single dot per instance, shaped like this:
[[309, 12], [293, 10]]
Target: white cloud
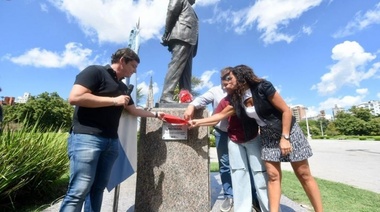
[[346, 102], [312, 112], [271, 16], [206, 2], [205, 80], [73, 55], [378, 95], [349, 68], [112, 20], [362, 91], [145, 74], [289, 100], [278, 88], [360, 22], [307, 30], [44, 7]]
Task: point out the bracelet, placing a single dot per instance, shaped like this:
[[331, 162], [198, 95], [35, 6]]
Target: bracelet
[[114, 102], [156, 115]]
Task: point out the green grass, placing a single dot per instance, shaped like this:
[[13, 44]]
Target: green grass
[[214, 167], [336, 197]]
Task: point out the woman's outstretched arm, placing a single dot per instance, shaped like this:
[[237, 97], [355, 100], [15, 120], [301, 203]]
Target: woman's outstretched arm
[[214, 119]]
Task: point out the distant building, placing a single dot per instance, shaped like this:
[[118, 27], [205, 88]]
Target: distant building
[[150, 100], [373, 106], [8, 100], [24, 98], [336, 110], [299, 112]]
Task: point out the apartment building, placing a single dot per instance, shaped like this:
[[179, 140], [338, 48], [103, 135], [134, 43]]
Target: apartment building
[[372, 105]]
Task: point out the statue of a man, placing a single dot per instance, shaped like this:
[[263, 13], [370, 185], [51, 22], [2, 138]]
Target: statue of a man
[[181, 37]]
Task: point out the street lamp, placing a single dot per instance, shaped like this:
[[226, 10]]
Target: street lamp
[[307, 125], [320, 121]]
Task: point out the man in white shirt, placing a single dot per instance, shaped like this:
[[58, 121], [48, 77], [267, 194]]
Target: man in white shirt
[[213, 96]]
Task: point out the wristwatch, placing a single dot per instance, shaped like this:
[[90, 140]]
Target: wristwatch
[[285, 136]]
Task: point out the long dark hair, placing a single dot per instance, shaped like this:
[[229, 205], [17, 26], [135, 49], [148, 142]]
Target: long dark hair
[[245, 77]]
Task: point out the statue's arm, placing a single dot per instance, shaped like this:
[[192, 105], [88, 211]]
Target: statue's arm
[[174, 10]]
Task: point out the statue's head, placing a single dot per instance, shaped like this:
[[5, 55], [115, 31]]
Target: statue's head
[[191, 1]]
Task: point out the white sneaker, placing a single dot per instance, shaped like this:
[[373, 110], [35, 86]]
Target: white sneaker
[[227, 204]]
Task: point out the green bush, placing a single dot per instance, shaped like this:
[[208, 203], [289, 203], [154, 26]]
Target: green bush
[[30, 164], [212, 140]]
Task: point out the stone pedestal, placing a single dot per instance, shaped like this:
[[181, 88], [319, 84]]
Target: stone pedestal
[[172, 175]]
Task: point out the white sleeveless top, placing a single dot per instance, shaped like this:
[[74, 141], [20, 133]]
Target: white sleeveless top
[[251, 111]]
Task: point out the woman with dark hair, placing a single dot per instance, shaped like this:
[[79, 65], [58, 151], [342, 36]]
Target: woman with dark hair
[[282, 138], [244, 147]]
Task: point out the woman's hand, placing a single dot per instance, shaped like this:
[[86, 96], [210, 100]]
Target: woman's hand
[[193, 123], [160, 115], [285, 146]]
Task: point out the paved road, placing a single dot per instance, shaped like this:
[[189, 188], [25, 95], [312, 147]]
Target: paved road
[[354, 163]]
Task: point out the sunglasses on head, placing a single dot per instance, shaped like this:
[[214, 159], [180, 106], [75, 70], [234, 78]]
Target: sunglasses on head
[[226, 77]]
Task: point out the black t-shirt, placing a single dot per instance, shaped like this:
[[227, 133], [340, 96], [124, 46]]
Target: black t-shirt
[[102, 121]]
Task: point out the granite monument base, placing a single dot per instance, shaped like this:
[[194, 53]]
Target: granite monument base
[[172, 166]]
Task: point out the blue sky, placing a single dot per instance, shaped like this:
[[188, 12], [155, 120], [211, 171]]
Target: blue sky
[[317, 53]]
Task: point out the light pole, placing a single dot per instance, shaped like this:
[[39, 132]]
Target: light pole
[[320, 121], [307, 125]]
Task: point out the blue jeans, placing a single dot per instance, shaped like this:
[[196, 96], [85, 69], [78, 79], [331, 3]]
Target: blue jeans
[[91, 160], [246, 158], [221, 141]]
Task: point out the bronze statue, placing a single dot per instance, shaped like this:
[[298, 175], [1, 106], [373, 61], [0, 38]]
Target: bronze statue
[[181, 37]]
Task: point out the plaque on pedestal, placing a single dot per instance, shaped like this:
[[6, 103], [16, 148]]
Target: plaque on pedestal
[[173, 165], [174, 131]]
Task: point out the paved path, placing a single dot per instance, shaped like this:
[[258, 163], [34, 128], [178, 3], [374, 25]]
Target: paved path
[[350, 162], [127, 197], [128, 188]]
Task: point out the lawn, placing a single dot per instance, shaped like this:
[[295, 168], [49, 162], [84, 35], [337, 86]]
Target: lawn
[[336, 197]]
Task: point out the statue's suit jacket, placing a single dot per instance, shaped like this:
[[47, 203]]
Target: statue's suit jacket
[[182, 23]]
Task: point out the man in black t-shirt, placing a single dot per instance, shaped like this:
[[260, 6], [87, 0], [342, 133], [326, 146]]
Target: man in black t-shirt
[[100, 97]]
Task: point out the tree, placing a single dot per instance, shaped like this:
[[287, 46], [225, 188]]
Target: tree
[[139, 96], [331, 129], [47, 111], [361, 113], [314, 127], [348, 124], [374, 126]]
